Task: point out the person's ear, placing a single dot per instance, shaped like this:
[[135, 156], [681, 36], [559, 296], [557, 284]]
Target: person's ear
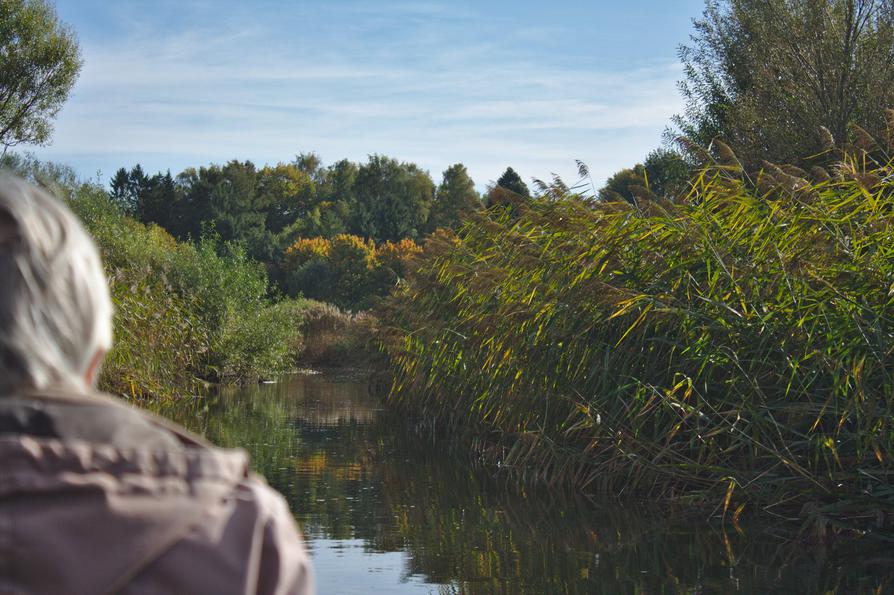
[[93, 368], [9, 234]]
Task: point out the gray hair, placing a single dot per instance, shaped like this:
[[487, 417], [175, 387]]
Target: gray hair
[[55, 309]]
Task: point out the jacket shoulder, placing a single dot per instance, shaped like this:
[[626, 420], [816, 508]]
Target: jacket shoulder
[[284, 563]]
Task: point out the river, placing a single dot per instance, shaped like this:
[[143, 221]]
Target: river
[[384, 511]]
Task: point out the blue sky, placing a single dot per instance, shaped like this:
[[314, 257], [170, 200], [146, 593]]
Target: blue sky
[[534, 85]]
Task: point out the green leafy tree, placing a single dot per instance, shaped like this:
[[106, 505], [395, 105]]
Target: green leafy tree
[[159, 201], [332, 205], [39, 64], [311, 164], [392, 199], [150, 199], [350, 260], [625, 185], [667, 173], [455, 198], [338, 182], [768, 75], [222, 199], [716, 73], [127, 187], [119, 190], [286, 192]]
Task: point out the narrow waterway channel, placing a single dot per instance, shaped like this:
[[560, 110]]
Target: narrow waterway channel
[[385, 512]]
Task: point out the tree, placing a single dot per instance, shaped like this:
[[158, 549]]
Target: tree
[[667, 173], [350, 260], [311, 164], [346, 270], [338, 182], [455, 198], [336, 201], [39, 64], [624, 184], [286, 193], [513, 182], [768, 75], [223, 200], [664, 174], [126, 187], [159, 201], [392, 199]]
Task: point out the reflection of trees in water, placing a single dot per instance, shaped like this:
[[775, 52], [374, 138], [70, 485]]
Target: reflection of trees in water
[[352, 472]]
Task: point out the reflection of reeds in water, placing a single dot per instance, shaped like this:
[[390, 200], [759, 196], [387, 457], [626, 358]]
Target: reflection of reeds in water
[[483, 535], [352, 471]]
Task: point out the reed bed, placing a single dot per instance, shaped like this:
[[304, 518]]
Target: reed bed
[[334, 338], [732, 348]]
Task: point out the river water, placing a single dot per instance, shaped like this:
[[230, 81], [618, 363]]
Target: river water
[[384, 511]]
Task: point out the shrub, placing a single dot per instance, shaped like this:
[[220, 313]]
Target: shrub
[[258, 343]]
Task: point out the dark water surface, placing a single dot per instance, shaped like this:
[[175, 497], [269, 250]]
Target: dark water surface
[[384, 511]]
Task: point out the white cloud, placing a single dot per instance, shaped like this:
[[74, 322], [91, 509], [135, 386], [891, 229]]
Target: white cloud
[[228, 91]]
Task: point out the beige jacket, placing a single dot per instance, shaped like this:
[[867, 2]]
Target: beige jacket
[[99, 498]]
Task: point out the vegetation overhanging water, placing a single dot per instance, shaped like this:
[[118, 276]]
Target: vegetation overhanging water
[[731, 348]]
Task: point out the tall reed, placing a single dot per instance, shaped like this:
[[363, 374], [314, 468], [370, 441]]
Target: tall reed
[[734, 347]]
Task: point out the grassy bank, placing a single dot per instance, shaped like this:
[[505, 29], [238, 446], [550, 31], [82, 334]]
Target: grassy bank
[[185, 313], [733, 348]]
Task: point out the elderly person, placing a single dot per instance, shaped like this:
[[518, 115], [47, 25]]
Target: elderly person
[[96, 496]]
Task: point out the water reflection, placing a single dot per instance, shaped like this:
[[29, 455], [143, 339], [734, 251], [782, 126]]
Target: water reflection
[[385, 511]]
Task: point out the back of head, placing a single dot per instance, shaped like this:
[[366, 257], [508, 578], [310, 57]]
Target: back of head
[[55, 309]]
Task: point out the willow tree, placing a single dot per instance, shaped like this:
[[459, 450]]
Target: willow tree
[[768, 76], [39, 64]]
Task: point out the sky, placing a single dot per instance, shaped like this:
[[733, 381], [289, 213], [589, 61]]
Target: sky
[[530, 84]]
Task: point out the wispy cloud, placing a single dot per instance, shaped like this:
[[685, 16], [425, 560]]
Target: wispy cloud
[[421, 81]]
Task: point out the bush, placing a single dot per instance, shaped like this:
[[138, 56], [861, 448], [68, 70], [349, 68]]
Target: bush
[[258, 343], [160, 342]]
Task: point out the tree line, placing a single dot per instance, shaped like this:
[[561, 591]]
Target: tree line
[[269, 209], [778, 81]]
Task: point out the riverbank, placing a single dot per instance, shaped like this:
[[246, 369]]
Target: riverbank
[[732, 349], [191, 314]]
